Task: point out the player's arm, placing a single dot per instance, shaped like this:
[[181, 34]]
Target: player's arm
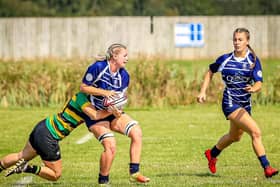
[[257, 77], [94, 114], [96, 91], [116, 112], [254, 88], [90, 76], [207, 79]]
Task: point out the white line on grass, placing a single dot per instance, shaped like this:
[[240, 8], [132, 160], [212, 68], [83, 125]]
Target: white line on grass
[[85, 138], [24, 181]]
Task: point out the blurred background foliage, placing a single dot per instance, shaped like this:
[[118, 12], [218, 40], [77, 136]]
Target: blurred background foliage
[[72, 8], [154, 82]]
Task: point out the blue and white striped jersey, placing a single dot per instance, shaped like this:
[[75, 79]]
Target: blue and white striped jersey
[[99, 75], [236, 74]]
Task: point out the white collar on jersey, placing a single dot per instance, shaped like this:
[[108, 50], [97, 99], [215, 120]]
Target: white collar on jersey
[[239, 59], [112, 73]]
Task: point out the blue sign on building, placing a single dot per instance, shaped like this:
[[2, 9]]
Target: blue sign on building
[[189, 35]]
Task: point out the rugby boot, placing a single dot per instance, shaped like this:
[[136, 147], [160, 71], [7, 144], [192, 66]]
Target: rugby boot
[[138, 177], [270, 171], [19, 167], [211, 161]]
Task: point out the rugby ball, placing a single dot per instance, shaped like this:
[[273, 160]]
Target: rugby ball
[[118, 100]]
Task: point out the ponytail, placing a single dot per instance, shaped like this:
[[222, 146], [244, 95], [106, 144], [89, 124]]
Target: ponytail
[[100, 57], [112, 49], [254, 55]]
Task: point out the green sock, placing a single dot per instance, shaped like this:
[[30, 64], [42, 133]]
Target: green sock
[[1, 167], [33, 169]]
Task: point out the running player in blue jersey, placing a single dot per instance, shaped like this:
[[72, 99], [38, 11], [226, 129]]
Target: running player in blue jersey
[[44, 139], [104, 78], [242, 74]]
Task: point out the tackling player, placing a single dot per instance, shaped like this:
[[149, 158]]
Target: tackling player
[[242, 74], [45, 137]]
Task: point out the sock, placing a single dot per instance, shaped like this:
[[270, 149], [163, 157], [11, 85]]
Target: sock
[[215, 152], [263, 160], [103, 179], [33, 169], [133, 167], [1, 167]]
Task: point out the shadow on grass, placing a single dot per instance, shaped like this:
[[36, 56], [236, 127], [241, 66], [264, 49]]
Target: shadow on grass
[[187, 174], [54, 184]]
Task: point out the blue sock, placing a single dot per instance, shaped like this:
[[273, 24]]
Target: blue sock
[[103, 179], [264, 161], [215, 152], [133, 168]]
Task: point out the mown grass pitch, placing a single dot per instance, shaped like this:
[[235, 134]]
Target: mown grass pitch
[[173, 144]]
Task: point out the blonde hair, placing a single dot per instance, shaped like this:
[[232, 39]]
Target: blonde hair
[[246, 31], [113, 49]]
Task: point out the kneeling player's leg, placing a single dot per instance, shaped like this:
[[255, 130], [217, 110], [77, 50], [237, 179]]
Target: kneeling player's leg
[[18, 161], [52, 170], [51, 157], [48, 148]]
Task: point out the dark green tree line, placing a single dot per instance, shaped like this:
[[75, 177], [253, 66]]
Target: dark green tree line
[[67, 8]]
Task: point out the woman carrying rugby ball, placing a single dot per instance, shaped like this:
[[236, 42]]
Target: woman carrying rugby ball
[[107, 77]]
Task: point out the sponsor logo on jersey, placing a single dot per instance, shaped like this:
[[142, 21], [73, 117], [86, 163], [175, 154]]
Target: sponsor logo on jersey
[[237, 78]]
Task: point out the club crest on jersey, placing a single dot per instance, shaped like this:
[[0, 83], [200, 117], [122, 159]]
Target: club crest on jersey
[[89, 77], [259, 73]]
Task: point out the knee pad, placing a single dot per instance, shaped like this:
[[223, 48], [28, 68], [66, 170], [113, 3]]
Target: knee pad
[[129, 127], [105, 135]]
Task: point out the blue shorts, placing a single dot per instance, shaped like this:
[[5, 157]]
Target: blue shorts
[[89, 122], [229, 108]]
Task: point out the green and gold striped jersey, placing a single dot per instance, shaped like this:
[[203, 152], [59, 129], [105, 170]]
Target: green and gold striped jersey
[[62, 123]]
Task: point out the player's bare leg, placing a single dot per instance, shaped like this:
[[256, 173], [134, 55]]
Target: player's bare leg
[[104, 135], [18, 163], [127, 126], [28, 153], [244, 121]]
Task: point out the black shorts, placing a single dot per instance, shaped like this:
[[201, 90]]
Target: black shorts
[[44, 143]]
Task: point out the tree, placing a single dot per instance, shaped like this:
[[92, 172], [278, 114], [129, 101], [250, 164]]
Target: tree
[[34, 8]]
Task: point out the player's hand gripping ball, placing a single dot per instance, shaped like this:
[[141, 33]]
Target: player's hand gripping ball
[[118, 101]]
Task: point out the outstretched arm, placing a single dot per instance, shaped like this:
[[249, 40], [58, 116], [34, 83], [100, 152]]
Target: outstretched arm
[[101, 114], [207, 78], [94, 114]]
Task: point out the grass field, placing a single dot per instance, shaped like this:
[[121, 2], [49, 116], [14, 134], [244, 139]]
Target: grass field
[[174, 141]]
